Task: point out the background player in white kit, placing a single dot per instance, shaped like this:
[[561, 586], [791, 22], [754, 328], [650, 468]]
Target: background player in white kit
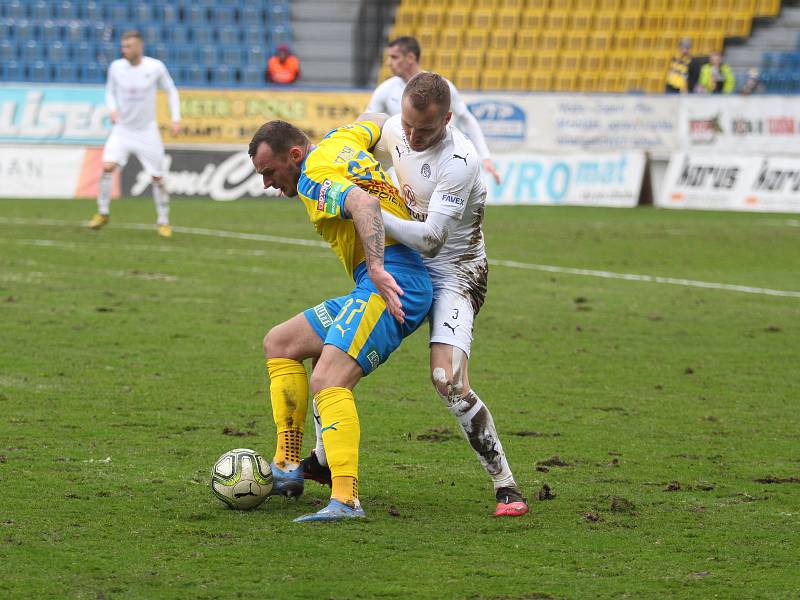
[[403, 59], [440, 177], [131, 98]]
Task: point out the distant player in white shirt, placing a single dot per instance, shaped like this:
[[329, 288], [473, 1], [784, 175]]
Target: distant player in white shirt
[[439, 173], [131, 98], [403, 59]]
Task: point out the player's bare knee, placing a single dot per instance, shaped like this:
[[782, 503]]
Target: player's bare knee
[[449, 386], [276, 344]]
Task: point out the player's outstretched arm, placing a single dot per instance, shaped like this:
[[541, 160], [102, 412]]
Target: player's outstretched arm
[[365, 212], [427, 238]]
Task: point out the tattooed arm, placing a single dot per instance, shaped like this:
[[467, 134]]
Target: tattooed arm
[[365, 212]]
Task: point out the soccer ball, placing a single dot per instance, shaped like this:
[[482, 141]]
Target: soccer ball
[[241, 478]]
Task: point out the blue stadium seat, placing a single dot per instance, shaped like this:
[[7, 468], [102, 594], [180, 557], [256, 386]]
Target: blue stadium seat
[[278, 13], [251, 15], [66, 72], [208, 55], [202, 34], [196, 75], [41, 10], [183, 54], [254, 34], [50, 32], [8, 51], [159, 51], [92, 11], [40, 72], [107, 52], [176, 35], [13, 71], [256, 55], [253, 76], [169, 14], [75, 32], [222, 15], [14, 9], [32, 51], [83, 52], [99, 31], [119, 14], [196, 14], [67, 10], [228, 34], [143, 13], [23, 30], [280, 34], [151, 34], [231, 55], [57, 52], [223, 76], [92, 73]]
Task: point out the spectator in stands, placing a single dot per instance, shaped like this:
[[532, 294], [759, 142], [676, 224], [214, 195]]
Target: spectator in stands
[[283, 67], [678, 74], [716, 77], [752, 84]]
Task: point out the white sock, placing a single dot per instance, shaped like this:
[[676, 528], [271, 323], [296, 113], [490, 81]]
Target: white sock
[[478, 427], [161, 198], [319, 449], [104, 192]]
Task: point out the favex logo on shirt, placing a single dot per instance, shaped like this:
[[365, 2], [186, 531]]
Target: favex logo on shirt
[[328, 196], [452, 200]]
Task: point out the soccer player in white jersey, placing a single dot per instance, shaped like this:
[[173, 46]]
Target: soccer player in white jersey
[[403, 60], [439, 172], [131, 98]]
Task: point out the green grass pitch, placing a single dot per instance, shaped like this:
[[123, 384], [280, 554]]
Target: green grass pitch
[[663, 418]]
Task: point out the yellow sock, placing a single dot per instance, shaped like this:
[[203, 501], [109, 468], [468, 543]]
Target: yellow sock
[[288, 390], [341, 434]]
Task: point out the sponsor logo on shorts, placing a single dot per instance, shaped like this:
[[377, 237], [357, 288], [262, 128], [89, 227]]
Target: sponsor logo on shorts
[[452, 200], [323, 315], [374, 358]]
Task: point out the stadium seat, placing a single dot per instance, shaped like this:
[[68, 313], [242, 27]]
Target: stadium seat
[[471, 59], [31, 51], [91, 11], [92, 73], [231, 55], [256, 55], [66, 72], [205, 35], [445, 59], [522, 60], [82, 52], [151, 33], [593, 61], [541, 81], [546, 60], [280, 34], [451, 38], [476, 39], [14, 9], [599, 40], [40, 72], [531, 21], [550, 40], [196, 14], [574, 40], [428, 37], [482, 19], [168, 14], [12, 71], [223, 76], [538, 5], [40, 11], [507, 19], [49, 32], [457, 17], [527, 40], [512, 4], [196, 75], [565, 82], [159, 51], [8, 51], [501, 39], [496, 60], [556, 21], [569, 60], [493, 80], [253, 76], [253, 34], [467, 80], [588, 81], [67, 10], [118, 14], [433, 16], [57, 52]]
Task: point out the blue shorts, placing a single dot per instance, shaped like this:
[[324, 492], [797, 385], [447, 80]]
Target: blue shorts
[[359, 323]]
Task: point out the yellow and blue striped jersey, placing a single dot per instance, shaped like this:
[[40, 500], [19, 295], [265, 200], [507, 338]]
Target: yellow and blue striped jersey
[[340, 162]]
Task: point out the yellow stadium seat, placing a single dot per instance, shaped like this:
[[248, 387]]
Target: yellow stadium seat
[[623, 40], [433, 16], [593, 61], [483, 18], [580, 21], [445, 59], [709, 43], [532, 21], [716, 23], [415, 5], [607, 5], [457, 17], [633, 82], [556, 20], [638, 61], [515, 4], [633, 5], [522, 60], [767, 8], [667, 41], [475, 39], [397, 31], [540, 5], [721, 5], [526, 40], [628, 21], [517, 80], [493, 80], [541, 81], [658, 5], [467, 80], [673, 22], [739, 25], [427, 37], [561, 5], [507, 20], [546, 60], [569, 60], [605, 21], [660, 62], [695, 24], [645, 40], [588, 81], [574, 40], [610, 82], [599, 40], [451, 38], [490, 4], [651, 21], [587, 5], [501, 39], [550, 41], [406, 18], [565, 82], [471, 59], [745, 6], [616, 61], [496, 60]]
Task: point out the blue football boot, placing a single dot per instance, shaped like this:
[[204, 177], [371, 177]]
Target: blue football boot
[[286, 483], [335, 511]]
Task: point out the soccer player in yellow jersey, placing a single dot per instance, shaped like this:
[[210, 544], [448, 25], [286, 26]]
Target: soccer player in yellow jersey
[[343, 189]]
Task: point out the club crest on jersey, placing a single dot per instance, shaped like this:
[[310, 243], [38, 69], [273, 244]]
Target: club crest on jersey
[[426, 171], [328, 196]]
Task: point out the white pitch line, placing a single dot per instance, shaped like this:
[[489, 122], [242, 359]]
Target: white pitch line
[[221, 233]]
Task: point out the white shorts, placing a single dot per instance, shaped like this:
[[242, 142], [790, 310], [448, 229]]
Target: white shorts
[[451, 320], [146, 145]]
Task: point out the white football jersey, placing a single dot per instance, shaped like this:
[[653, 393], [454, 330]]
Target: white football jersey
[[131, 91], [444, 179], [387, 97]]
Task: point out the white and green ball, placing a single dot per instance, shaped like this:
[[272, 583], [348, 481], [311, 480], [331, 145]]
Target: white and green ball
[[241, 478]]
